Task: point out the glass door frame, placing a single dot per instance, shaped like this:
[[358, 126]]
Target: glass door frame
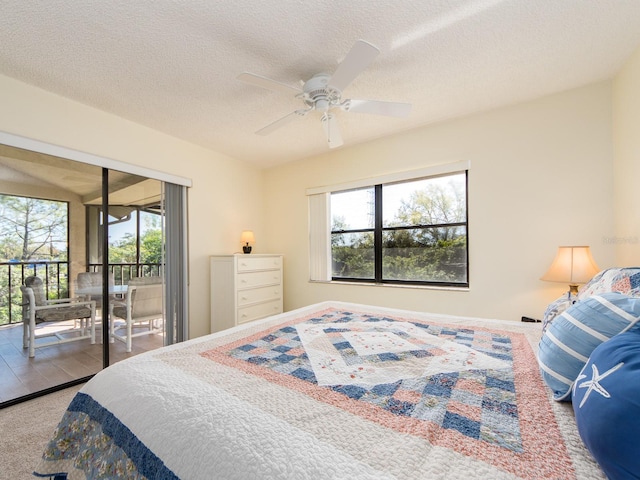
[[107, 164]]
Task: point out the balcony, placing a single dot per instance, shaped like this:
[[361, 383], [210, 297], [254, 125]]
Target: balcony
[[55, 276]]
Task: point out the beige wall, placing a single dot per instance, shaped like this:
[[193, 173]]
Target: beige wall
[[540, 177], [626, 140], [224, 199]]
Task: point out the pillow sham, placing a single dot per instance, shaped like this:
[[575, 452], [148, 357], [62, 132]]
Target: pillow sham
[[606, 403], [623, 280], [569, 340]]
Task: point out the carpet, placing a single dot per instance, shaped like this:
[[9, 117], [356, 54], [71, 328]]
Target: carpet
[[26, 428]]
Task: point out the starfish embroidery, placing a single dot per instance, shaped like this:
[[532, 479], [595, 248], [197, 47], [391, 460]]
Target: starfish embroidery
[[594, 383]]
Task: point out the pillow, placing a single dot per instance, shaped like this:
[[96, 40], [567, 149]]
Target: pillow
[[569, 340], [623, 280], [35, 283], [606, 402], [556, 308]]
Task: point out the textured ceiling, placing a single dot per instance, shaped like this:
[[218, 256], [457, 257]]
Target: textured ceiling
[[172, 65]]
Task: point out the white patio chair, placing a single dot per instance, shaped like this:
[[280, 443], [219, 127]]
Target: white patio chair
[[92, 282], [36, 308], [143, 303]]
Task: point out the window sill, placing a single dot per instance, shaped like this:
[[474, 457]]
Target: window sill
[[394, 285]]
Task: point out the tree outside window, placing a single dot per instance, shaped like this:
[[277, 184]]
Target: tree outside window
[[32, 229], [33, 240]]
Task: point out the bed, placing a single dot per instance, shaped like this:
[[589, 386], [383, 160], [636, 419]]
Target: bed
[[329, 391]]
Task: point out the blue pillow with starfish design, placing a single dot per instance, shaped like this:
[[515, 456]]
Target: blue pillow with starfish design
[[606, 402]]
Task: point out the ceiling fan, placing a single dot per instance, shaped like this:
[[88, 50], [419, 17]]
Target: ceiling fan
[[323, 93]]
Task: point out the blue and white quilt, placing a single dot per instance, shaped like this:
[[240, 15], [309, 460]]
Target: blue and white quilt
[[329, 391]]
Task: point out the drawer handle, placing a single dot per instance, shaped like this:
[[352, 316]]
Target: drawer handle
[[243, 298]]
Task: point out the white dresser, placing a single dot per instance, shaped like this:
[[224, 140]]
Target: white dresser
[[244, 287]]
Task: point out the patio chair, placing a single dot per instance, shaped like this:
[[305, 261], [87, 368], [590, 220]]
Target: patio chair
[[92, 282], [89, 286], [37, 309], [142, 303]]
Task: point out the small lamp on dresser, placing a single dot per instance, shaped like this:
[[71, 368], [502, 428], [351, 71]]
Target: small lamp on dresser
[[246, 238]]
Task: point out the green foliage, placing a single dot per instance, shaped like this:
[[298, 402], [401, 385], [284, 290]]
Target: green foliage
[[124, 250], [442, 261], [353, 255], [151, 246], [32, 229]]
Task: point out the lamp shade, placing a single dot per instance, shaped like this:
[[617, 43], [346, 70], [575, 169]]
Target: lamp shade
[[572, 265], [247, 237]]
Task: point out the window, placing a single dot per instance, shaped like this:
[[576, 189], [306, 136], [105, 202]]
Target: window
[[402, 232], [34, 240], [135, 240]]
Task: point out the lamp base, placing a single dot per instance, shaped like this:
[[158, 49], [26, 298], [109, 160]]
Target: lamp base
[[246, 249]]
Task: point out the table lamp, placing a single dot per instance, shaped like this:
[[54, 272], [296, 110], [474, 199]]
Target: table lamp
[[572, 265], [246, 238]]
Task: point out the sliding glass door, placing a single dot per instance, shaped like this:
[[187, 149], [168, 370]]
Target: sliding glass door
[[112, 250], [131, 231]]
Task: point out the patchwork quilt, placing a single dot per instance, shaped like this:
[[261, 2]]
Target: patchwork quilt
[[329, 391]]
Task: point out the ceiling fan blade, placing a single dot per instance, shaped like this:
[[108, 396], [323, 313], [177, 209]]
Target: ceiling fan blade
[[269, 84], [359, 57], [282, 122], [375, 107], [331, 130]]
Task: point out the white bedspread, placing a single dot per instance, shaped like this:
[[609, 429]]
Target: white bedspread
[[329, 391]]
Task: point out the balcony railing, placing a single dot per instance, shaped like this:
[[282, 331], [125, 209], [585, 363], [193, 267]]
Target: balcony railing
[[55, 276], [122, 272]]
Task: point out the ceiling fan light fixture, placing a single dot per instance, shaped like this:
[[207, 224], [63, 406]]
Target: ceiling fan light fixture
[[322, 104]]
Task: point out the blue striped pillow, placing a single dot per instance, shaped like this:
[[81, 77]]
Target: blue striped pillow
[[568, 342]]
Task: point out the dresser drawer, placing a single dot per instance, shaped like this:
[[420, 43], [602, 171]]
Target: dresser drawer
[[262, 294], [249, 263], [257, 279], [254, 312]]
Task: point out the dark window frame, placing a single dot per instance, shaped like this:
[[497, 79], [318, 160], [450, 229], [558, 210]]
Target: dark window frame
[[378, 231]]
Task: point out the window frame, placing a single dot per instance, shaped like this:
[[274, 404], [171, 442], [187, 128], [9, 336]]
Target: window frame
[[379, 229]]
